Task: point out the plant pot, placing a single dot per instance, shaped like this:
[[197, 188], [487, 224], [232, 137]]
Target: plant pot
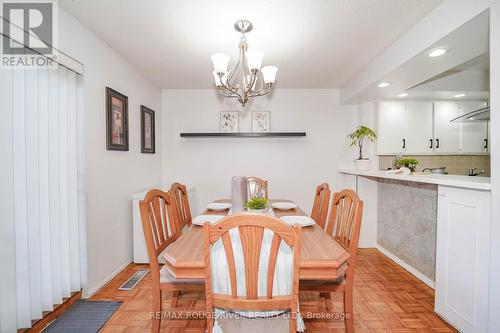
[[363, 165], [257, 211]]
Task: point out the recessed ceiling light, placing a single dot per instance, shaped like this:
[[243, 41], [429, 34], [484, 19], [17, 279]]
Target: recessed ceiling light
[[437, 52], [403, 95], [383, 84], [459, 95]]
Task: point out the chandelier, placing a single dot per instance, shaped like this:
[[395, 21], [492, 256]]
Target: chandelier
[[247, 79]]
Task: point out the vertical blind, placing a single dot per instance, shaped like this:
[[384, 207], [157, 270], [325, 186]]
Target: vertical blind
[[42, 106]]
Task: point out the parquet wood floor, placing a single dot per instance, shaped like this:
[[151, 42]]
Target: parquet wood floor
[[386, 299]]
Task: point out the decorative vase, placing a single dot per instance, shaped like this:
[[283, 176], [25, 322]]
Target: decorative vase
[[363, 165], [257, 211]]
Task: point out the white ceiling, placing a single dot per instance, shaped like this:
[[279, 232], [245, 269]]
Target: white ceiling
[[315, 43], [463, 69]]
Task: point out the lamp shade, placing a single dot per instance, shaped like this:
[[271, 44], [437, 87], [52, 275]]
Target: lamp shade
[[220, 61], [254, 59], [269, 73], [217, 80]]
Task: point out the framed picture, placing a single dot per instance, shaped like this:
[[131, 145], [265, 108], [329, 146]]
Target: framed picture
[[147, 130], [229, 121], [116, 120], [261, 121]]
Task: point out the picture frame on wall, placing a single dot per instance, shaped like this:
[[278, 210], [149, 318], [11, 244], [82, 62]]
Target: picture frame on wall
[[229, 121], [148, 143], [116, 120], [261, 121]]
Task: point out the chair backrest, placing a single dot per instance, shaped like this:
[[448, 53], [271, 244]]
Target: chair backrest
[[321, 203], [251, 229], [159, 226], [257, 187], [181, 204], [344, 224]]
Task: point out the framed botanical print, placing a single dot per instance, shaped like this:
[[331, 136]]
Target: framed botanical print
[[116, 120], [261, 121], [229, 121], [147, 130]]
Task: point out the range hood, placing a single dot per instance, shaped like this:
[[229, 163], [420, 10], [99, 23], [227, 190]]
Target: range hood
[[482, 114]]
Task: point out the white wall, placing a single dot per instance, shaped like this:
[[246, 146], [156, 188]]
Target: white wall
[[111, 176], [293, 166]]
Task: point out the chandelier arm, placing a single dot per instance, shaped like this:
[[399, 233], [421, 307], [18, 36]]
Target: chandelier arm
[[262, 93], [259, 78], [241, 56], [252, 81], [259, 91], [228, 88], [233, 71], [229, 96], [221, 92], [231, 93]]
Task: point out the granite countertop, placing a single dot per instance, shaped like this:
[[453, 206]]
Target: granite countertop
[[479, 183]]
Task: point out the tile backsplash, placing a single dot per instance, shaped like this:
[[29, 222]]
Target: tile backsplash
[[455, 164]]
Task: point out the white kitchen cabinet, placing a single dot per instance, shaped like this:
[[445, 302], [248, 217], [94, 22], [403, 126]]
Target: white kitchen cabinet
[[473, 134], [391, 127], [462, 257], [425, 127], [446, 133], [419, 129]]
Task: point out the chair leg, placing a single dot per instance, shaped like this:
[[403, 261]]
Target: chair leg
[[328, 300], [175, 298], [348, 310], [155, 325], [210, 324], [293, 322]]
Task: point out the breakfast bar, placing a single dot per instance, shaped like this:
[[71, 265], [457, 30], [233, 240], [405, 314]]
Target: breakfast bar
[[437, 227]]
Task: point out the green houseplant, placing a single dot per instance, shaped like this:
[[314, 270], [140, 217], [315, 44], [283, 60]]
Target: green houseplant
[[409, 163], [257, 204], [358, 138]]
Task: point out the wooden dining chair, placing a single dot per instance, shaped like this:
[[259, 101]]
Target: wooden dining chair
[[257, 187], [321, 202], [251, 229], [344, 225], [181, 204], [161, 229]]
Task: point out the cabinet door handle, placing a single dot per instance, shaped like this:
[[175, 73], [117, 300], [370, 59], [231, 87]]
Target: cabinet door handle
[[485, 144], [437, 143], [431, 143], [404, 143]]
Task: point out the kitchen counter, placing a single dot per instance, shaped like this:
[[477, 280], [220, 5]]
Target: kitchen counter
[[477, 182]]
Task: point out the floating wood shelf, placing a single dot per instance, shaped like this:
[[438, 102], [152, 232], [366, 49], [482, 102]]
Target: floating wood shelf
[[244, 135]]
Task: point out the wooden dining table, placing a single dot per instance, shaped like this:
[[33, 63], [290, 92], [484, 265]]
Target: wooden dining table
[[321, 257]]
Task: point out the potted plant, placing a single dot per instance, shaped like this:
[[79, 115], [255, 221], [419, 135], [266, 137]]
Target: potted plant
[[358, 137], [257, 204], [409, 163]]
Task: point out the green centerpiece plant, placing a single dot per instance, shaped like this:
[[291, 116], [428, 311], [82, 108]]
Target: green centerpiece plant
[[257, 203]]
